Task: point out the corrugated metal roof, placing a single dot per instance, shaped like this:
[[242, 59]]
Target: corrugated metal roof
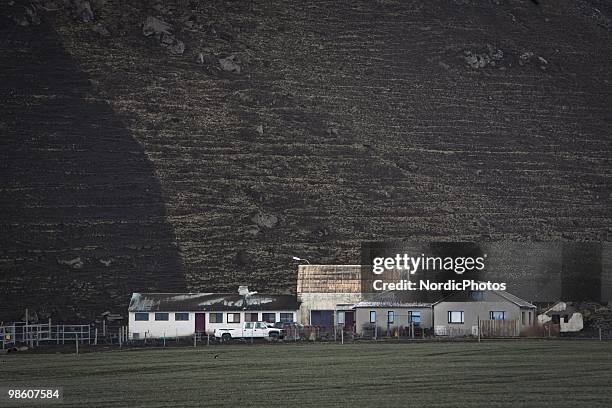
[[392, 298], [329, 279], [202, 302], [463, 296], [391, 304], [514, 299]]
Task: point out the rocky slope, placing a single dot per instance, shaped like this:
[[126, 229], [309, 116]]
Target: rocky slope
[[197, 145]]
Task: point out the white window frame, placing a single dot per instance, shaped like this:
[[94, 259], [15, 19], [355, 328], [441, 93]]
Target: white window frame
[[181, 320], [160, 314], [451, 319], [231, 316], [503, 312], [341, 317]]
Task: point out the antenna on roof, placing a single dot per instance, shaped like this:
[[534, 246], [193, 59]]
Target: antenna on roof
[[243, 290]]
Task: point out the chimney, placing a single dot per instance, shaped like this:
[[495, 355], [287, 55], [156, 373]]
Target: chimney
[[243, 290]]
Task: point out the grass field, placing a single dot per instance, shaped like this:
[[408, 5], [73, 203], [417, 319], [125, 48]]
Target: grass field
[[489, 374]]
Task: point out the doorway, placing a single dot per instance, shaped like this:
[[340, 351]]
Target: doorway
[[200, 322]]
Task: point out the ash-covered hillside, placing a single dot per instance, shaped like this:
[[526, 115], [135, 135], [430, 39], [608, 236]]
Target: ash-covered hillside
[[191, 145]]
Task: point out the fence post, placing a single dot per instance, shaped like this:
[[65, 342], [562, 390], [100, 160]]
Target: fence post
[[600, 334], [164, 339], [96, 336], [479, 328], [76, 342], [120, 336], [63, 334], [194, 339], [342, 335], [208, 339]]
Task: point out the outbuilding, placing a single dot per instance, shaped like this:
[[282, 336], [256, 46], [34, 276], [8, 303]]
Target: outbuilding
[[565, 315], [327, 294], [157, 315]]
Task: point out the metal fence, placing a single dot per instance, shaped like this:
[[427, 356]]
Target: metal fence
[[46, 333]]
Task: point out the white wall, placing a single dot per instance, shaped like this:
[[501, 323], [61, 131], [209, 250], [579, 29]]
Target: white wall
[[324, 301], [157, 329], [172, 328]]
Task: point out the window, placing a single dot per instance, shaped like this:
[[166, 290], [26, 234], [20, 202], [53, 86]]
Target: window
[[493, 315], [259, 325], [565, 318], [390, 317], [251, 317], [530, 318], [340, 317], [233, 317], [323, 318], [455, 317], [268, 317], [523, 320], [286, 317], [215, 318], [141, 317], [181, 316], [372, 316], [415, 317], [248, 325], [555, 319], [162, 316], [136, 336], [477, 295]]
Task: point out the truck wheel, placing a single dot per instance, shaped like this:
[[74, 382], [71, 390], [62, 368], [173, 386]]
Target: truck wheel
[[273, 336], [226, 337]]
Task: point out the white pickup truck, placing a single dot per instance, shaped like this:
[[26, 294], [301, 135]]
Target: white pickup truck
[[249, 330]]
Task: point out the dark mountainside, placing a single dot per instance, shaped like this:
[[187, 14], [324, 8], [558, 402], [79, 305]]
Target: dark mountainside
[[208, 152]]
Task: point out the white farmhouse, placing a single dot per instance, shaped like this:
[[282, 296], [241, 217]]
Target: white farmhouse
[[157, 315]]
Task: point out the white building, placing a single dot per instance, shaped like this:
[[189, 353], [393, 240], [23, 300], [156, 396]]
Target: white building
[[327, 294], [565, 315], [157, 315]]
